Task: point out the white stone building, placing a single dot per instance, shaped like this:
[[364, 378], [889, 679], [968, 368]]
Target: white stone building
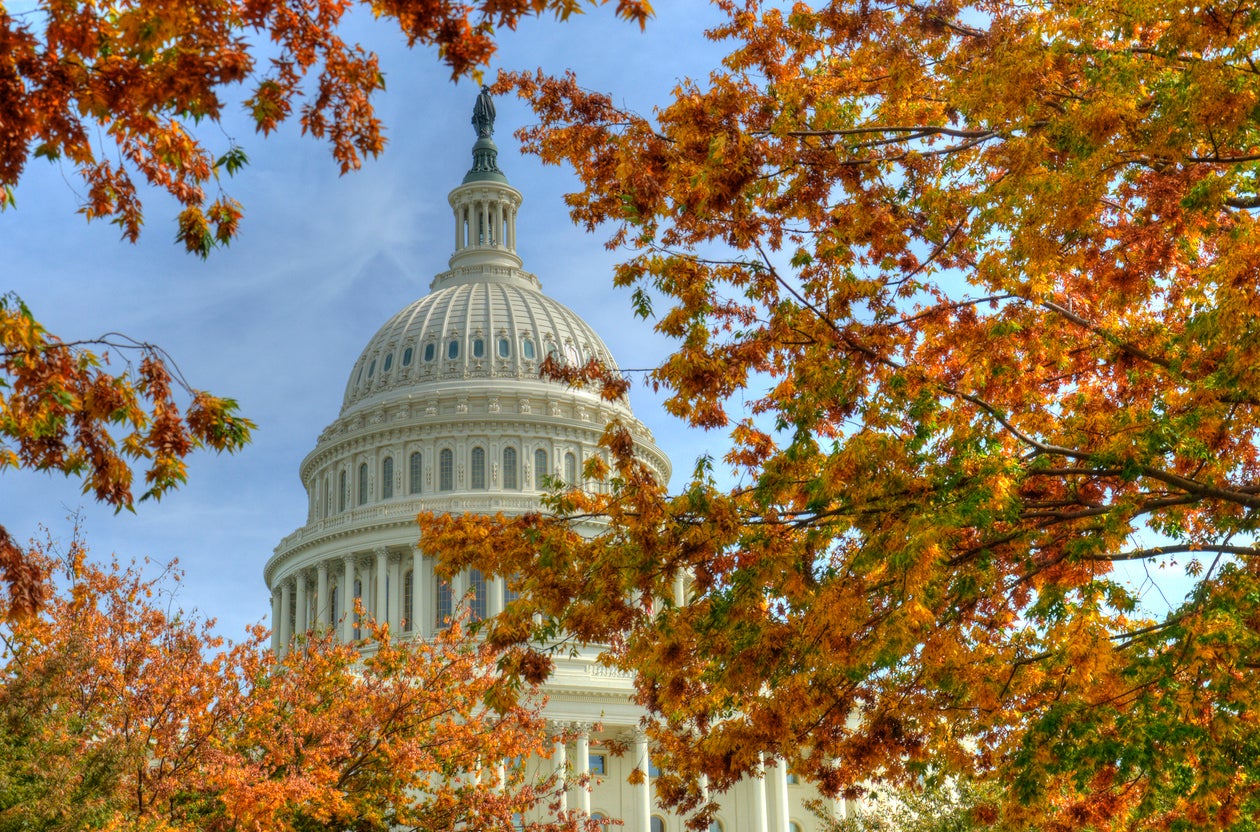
[[445, 411]]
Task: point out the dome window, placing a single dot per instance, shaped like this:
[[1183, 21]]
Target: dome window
[[570, 469], [414, 469], [389, 362], [510, 480], [478, 468], [504, 348], [429, 351], [527, 349], [540, 468], [359, 378], [407, 353], [479, 348], [480, 595], [452, 349], [363, 483], [341, 490], [372, 368], [387, 478], [446, 471], [571, 353]]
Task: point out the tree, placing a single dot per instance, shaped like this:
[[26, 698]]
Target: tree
[[61, 410], [143, 74], [972, 287], [119, 711]]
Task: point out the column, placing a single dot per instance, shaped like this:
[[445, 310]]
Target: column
[[421, 595], [643, 791], [395, 595], [583, 752], [381, 606], [302, 604], [322, 609], [347, 603], [495, 588], [459, 228], [275, 620], [760, 821], [558, 766], [781, 816], [680, 589], [286, 612]]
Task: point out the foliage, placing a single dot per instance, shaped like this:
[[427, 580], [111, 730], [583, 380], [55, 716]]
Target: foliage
[[61, 410], [119, 711], [140, 75], [984, 275], [938, 806]]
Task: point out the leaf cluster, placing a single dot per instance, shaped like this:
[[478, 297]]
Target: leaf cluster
[[984, 274]]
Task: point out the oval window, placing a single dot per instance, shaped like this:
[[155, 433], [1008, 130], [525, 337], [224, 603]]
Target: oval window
[[372, 368], [527, 349], [452, 349], [389, 362], [503, 348], [479, 348], [407, 357], [429, 351], [571, 353]]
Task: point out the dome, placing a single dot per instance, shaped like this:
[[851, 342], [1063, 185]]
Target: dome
[[446, 410], [489, 329]]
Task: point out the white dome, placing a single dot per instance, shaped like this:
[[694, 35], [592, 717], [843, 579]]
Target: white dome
[[475, 327]]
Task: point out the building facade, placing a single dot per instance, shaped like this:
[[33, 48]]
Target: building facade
[[445, 411]]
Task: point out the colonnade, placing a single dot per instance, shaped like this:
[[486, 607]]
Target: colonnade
[[485, 222], [394, 587]]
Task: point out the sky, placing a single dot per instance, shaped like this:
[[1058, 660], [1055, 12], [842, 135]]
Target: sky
[[277, 319]]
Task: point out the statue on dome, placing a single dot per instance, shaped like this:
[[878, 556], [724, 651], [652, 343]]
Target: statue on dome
[[483, 114]]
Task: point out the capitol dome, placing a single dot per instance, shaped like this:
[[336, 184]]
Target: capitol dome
[[445, 410]]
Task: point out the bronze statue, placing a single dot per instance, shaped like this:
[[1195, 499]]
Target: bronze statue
[[483, 114]]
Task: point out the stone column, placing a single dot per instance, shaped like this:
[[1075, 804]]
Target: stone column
[[558, 765], [643, 791], [275, 620], [395, 595], [347, 600], [583, 752], [380, 609], [286, 613], [302, 604], [760, 821], [495, 589], [680, 589], [781, 815], [322, 607], [421, 595]]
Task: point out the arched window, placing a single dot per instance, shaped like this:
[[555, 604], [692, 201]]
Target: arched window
[[387, 478], [334, 614], [540, 468], [442, 606], [446, 470], [478, 466], [509, 469], [793, 826], [389, 362], [341, 491], [716, 826], [505, 348], [407, 353], [430, 352], [570, 469], [372, 368], [527, 349], [414, 472], [327, 497], [452, 350], [479, 348], [658, 823], [509, 594], [480, 594], [363, 479], [409, 589]]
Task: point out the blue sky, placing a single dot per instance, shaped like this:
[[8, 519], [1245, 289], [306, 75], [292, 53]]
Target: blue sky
[[277, 319]]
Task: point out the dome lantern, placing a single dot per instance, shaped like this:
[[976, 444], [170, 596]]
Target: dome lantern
[[485, 207]]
